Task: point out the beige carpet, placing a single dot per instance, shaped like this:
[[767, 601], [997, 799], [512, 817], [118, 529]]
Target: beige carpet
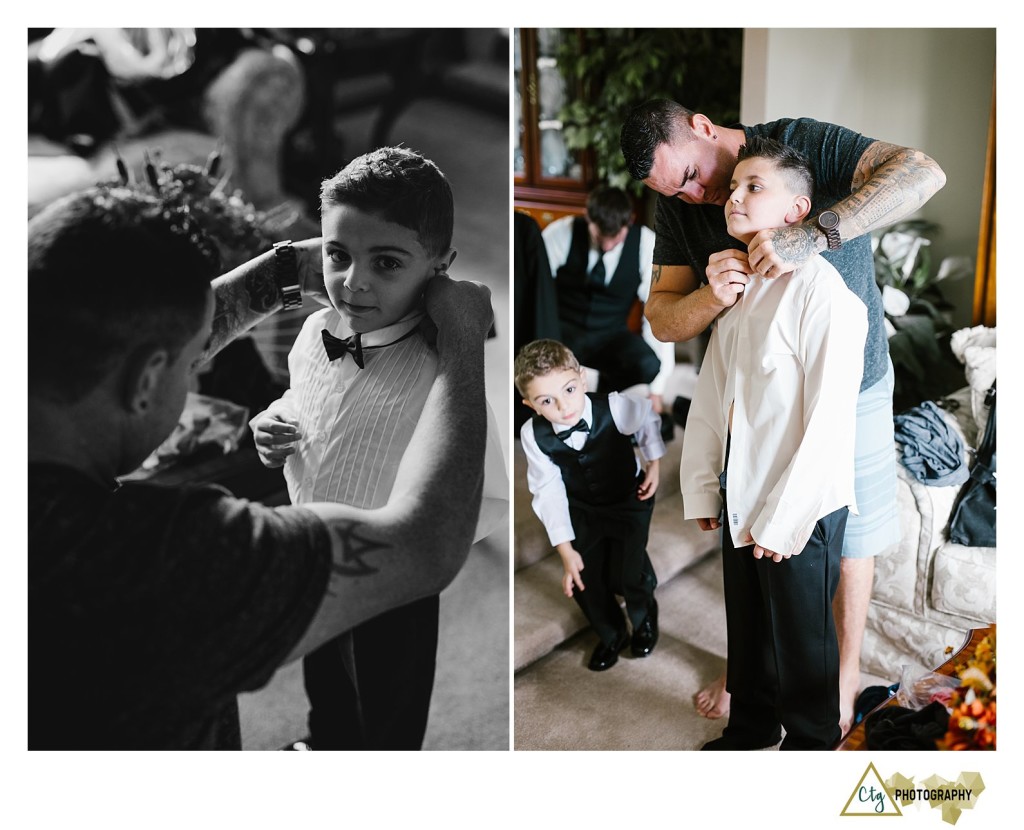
[[638, 704]]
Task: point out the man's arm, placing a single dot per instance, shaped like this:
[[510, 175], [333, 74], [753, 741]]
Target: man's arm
[[249, 294], [679, 307], [890, 183], [414, 546]]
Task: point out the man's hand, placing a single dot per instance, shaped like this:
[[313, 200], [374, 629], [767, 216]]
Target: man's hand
[[728, 274], [708, 524], [276, 434], [460, 309], [572, 564], [309, 258], [780, 251], [649, 485]]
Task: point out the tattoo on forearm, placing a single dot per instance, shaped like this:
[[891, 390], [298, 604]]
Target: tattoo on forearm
[[655, 274], [794, 244], [891, 182], [240, 304], [353, 548]]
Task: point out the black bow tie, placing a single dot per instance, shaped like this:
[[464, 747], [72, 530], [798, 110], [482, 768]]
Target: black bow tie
[[579, 426], [339, 347]]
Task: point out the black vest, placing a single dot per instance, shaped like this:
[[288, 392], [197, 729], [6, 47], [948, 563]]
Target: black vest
[[606, 308], [604, 471]]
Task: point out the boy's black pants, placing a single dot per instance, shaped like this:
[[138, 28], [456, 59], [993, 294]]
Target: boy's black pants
[[612, 539], [783, 656], [387, 706]]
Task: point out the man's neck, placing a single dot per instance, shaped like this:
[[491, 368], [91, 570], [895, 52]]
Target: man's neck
[[60, 435]]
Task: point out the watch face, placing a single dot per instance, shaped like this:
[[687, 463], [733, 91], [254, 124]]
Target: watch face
[[828, 219]]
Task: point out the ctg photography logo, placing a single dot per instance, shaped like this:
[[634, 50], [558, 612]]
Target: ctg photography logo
[[874, 797]]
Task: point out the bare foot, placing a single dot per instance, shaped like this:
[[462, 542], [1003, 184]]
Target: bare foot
[[713, 700]]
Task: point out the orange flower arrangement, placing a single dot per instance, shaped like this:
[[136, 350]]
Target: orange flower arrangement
[[972, 722]]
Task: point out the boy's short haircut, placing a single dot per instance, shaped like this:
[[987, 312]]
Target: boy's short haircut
[[791, 162], [109, 270], [609, 208], [400, 186], [539, 358]]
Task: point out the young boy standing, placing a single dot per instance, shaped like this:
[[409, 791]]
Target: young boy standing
[[592, 494], [769, 445], [360, 372]]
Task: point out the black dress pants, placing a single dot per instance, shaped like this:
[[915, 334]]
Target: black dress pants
[[386, 706], [783, 656], [612, 539], [621, 358]]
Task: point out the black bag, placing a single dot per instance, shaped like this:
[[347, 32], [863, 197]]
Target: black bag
[[973, 519]]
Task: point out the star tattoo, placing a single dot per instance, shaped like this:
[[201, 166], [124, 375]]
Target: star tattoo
[[354, 547]]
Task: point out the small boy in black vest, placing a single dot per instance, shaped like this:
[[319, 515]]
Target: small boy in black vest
[[592, 494]]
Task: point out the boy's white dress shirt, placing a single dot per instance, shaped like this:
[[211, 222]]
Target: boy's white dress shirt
[[788, 357], [357, 423], [632, 416]]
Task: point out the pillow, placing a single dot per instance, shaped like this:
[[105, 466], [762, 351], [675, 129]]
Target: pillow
[[976, 349]]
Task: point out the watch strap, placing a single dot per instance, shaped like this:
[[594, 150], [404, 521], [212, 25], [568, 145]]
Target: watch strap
[[286, 274]]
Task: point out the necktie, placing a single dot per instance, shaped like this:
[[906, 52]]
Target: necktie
[[579, 426], [339, 347], [595, 279]]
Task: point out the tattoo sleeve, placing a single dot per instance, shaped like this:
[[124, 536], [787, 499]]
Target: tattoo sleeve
[[890, 183], [243, 298], [794, 244]]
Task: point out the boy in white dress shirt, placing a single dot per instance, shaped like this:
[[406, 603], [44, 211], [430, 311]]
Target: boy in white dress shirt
[[774, 408], [359, 375], [592, 494]]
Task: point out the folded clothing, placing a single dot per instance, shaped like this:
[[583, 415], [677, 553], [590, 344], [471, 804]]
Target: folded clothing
[[897, 728], [930, 448]]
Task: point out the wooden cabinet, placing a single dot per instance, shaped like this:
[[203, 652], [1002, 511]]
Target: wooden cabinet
[[550, 179]]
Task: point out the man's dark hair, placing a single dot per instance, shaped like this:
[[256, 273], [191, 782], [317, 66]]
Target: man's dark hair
[[400, 186], [790, 161], [108, 271], [647, 126], [609, 208]]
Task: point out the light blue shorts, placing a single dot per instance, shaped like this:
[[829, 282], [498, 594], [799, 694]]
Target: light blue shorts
[[877, 529]]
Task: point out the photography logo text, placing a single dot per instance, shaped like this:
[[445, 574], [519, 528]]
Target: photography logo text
[[874, 797]]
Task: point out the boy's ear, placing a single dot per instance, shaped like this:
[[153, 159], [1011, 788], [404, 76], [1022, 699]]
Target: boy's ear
[[444, 262], [529, 405], [798, 212], [143, 372]]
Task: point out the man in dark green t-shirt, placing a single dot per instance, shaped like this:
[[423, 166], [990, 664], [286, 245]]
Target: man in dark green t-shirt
[[699, 271]]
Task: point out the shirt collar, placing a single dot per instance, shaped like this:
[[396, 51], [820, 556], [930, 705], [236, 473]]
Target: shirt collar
[[378, 337]]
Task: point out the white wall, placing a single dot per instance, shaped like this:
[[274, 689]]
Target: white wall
[[924, 88]]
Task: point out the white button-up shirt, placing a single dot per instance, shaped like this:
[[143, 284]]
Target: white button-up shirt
[[357, 423], [788, 359], [632, 416], [558, 241]]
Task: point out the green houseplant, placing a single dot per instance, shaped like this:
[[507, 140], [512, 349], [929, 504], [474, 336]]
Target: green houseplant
[[617, 69]]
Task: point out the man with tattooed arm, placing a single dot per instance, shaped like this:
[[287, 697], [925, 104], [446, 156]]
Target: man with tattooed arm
[[152, 607], [699, 271]]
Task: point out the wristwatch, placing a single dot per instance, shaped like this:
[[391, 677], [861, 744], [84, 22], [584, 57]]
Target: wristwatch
[[286, 274], [828, 223]]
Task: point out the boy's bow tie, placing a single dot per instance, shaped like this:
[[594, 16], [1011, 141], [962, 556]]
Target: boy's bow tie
[[338, 347], [579, 426]]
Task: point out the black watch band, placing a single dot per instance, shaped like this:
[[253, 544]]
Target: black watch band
[[828, 224], [286, 274]]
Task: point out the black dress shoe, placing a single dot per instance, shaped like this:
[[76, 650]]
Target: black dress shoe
[[742, 744], [605, 656], [645, 636]]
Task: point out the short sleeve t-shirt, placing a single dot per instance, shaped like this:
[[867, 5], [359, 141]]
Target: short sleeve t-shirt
[[151, 608], [689, 234]]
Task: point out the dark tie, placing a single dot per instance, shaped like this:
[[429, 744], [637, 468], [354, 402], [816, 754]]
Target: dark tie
[[339, 347], [579, 426], [595, 279]]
